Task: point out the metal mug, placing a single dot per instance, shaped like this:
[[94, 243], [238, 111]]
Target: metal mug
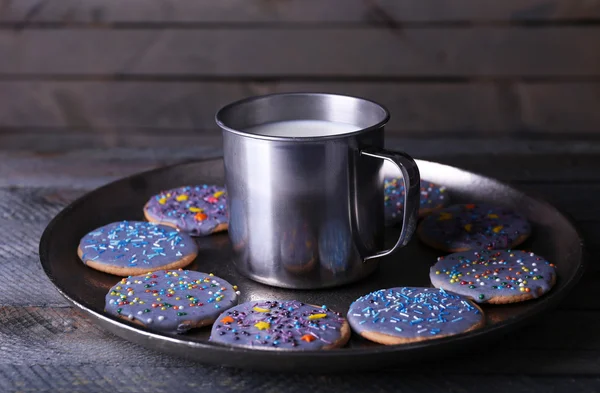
[[307, 212]]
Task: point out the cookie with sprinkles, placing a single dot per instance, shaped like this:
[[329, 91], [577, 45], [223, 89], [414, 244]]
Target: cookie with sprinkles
[[473, 227], [281, 325], [197, 210], [171, 301], [433, 197], [406, 315], [496, 277], [135, 247]]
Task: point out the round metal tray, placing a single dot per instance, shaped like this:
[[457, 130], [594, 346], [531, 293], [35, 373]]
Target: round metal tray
[[553, 237]]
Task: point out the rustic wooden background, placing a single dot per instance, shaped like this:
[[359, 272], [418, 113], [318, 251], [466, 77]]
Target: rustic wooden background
[[141, 73]]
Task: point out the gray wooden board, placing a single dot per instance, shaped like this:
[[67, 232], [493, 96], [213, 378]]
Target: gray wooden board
[[521, 161], [484, 108], [340, 52], [144, 379], [192, 105], [313, 11]]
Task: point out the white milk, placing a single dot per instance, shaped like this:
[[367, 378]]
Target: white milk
[[302, 128]]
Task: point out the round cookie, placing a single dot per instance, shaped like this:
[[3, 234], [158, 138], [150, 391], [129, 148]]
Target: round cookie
[[135, 247], [433, 197], [281, 325], [496, 277], [406, 315], [473, 227], [171, 301], [196, 210]]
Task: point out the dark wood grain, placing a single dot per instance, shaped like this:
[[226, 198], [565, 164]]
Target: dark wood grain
[[483, 108], [140, 379], [85, 167], [243, 11], [192, 105], [458, 52]]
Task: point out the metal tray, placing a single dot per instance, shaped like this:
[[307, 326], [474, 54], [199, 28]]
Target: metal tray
[[553, 237]]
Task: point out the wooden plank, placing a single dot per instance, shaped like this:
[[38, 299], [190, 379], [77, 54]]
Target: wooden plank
[[90, 168], [456, 149], [312, 11], [408, 52], [564, 108], [64, 336], [143, 379], [458, 107], [455, 108]]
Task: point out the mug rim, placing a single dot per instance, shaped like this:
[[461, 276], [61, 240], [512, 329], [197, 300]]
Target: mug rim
[[224, 127]]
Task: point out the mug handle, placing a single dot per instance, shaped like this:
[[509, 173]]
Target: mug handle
[[412, 186]]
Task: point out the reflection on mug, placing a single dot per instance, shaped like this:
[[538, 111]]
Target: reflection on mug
[[334, 246], [298, 248], [238, 227]]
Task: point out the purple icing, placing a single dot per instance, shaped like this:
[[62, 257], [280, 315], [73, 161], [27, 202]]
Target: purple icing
[[286, 324], [471, 226], [432, 197], [136, 244], [486, 274], [197, 210], [413, 313], [171, 301]]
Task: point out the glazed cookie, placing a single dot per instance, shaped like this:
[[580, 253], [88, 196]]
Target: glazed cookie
[[408, 315], [433, 197], [281, 325], [171, 301], [473, 227], [496, 277], [136, 247], [197, 210]]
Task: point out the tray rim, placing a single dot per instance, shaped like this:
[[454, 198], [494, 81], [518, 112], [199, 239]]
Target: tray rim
[[143, 336]]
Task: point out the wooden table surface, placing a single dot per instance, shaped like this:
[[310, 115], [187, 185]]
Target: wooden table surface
[[48, 345]]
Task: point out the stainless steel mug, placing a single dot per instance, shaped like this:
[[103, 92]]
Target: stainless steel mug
[[307, 212]]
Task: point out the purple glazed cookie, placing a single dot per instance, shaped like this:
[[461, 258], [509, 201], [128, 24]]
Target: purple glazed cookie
[[196, 210], [171, 301], [281, 325], [496, 277], [406, 315], [473, 227], [136, 247], [433, 197]]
